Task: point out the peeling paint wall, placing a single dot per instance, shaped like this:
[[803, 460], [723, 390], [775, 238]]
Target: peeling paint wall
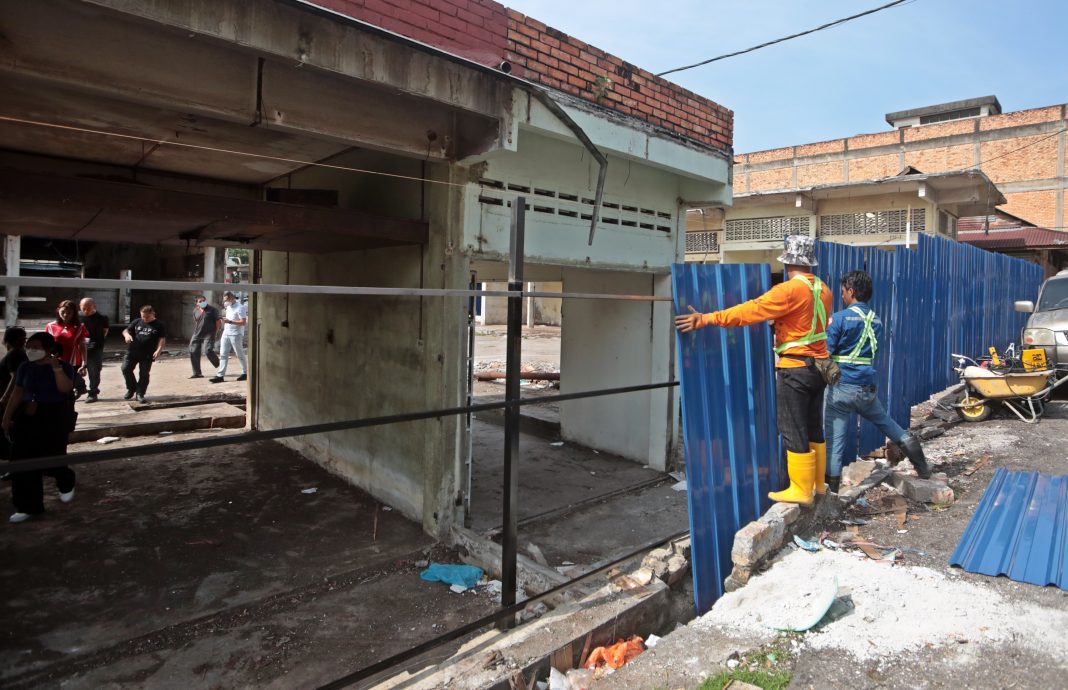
[[349, 357]]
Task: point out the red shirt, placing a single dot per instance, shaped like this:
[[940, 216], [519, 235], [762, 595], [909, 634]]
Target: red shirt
[[71, 339]]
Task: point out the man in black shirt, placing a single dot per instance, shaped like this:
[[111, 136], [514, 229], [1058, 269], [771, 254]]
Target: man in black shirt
[[206, 325], [97, 325], [145, 338]]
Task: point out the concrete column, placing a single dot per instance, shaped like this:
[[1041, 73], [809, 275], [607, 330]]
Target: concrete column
[[12, 256], [124, 297], [209, 272]]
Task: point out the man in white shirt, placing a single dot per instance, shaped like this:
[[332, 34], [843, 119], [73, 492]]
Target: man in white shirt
[[233, 336]]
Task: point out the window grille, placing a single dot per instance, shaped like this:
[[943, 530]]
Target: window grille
[[765, 228], [702, 242], [951, 115], [871, 223]]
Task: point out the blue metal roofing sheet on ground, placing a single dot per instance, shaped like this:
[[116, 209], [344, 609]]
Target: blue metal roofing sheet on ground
[[728, 418], [1019, 530]]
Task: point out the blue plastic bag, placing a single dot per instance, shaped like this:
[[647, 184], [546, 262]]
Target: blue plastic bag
[[463, 575]]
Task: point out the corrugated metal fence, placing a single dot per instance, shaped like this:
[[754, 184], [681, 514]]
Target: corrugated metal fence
[[728, 418], [942, 298], [945, 297]]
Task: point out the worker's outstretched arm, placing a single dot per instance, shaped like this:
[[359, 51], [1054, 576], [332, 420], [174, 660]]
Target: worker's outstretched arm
[[771, 305]]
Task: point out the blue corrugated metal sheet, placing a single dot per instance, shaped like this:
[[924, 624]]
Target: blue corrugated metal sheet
[[1019, 530], [728, 418], [942, 298]]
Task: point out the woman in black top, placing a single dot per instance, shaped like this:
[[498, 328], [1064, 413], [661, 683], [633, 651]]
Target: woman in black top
[[38, 419]]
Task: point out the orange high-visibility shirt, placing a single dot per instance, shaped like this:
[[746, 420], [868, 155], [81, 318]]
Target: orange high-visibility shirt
[[790, 304]]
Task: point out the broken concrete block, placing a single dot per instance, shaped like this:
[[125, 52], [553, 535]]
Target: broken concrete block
[[921, 490], [731, 585], [642, 576], [756, 540], [682, 548], [929, 432], [741, 574], [677, 568], [856, 472], [787, 513], [657, 566]]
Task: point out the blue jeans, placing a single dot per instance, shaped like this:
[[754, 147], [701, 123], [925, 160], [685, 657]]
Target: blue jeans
[[844, 400], [232, 343]]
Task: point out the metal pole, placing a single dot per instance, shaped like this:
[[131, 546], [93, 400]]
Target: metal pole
[[468, 471], [511, 415]]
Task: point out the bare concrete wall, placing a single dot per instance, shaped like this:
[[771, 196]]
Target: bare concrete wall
[[608, 344], [332, 358]]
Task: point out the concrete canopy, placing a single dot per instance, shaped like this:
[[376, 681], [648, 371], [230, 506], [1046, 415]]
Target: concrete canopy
[[225, 78]]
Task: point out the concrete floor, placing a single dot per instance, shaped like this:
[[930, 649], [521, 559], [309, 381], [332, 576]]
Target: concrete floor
[[213, 569]]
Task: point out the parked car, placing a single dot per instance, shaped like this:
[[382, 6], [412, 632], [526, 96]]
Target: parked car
[[1047, 326]]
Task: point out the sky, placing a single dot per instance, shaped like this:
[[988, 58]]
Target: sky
[[841, 81]]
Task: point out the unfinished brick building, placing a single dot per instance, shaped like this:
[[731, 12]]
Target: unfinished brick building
[[1022, 152]]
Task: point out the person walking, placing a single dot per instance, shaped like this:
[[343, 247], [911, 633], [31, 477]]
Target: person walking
[[799, 307], [145, 338], [852, 340], [15, 343], [233, 337], [97, 326], [206, 327], [38, 418], [71, 337]]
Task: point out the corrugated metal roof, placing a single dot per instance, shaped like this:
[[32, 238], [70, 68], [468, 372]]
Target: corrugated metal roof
[[1018, 238], [727, 378], [1019, 530]]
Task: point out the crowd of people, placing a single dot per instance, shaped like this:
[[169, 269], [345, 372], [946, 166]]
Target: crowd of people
[[43, 374]]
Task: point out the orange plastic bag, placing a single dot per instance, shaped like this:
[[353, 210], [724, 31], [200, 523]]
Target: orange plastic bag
[[617, 655]]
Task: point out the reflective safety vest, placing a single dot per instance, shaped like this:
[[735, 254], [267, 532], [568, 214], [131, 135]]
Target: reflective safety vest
[[866, 336], [819, 316]]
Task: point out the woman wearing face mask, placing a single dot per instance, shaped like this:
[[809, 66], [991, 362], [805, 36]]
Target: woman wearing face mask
[[70, 334], [38, 419]]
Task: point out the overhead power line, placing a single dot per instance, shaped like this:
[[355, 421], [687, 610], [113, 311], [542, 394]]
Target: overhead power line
[[787, 38]]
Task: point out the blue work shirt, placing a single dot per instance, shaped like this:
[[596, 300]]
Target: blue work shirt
[[843, 332]]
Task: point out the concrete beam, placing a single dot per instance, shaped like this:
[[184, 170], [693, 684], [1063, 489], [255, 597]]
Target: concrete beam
[[72, 207], [805, 202]]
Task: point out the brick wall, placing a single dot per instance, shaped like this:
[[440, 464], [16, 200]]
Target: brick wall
[[1022, 152], [488, 33]]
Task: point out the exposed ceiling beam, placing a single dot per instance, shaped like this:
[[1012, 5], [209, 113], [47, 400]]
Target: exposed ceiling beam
[[91, 209]]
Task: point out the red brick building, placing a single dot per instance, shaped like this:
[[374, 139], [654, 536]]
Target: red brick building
[[1022, 152]]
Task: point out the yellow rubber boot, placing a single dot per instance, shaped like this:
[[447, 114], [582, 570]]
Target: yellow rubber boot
[[802, 470], [820, 449]]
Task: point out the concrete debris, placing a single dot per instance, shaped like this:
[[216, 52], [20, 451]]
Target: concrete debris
[[755, 541], [896, 610], [679, 486], [108, 439], [921, 490], [787, 512], [856, 472], [537, 555], [677, 569], [929, 432]]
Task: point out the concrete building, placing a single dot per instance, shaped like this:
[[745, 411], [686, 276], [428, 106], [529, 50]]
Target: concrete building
[[1023, 152], [365, 144], [890, 212]]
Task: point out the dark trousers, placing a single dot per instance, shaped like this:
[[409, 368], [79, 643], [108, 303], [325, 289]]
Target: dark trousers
[[143, 362], [41, 435], [205, 344], [799, 406], [94, 362]]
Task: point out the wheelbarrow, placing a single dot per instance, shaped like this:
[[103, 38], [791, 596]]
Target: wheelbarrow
[[1023, 392]]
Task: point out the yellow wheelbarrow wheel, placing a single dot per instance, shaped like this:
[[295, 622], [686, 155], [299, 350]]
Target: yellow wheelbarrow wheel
[[970, 409]]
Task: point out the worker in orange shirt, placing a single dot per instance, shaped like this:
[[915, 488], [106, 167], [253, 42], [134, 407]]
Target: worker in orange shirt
[[799, 307]]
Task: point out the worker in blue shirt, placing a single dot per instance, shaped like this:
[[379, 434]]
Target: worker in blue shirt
[[852, 341]]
